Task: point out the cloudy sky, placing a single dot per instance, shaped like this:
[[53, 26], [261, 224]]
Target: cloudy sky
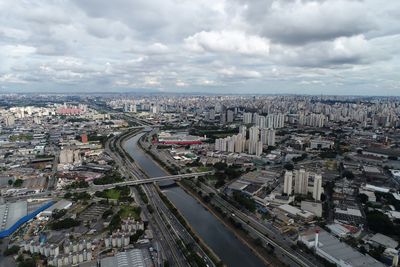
[[215, 46]]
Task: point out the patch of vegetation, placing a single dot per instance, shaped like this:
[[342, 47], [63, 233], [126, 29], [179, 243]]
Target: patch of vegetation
[[18, 183], [97, 138], [64, 224], [142, 194], [78, 184], [27, 263], [107, 213], [130, 211], [11, 250], [381, 223], [57, 214], [21, 137], [245, 201], [112, 178], [77, 196], [115, 222], [135, 237], [118, 193]]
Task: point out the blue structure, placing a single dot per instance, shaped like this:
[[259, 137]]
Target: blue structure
[[24, 219]]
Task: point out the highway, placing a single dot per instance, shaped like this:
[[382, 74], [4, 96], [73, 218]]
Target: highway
[[157, 223], [259, 229], [262, 231], [168, 225]]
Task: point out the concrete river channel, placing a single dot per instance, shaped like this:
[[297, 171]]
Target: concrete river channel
[[219, 238]]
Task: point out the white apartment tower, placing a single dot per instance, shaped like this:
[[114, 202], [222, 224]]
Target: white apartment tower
[[243, 130], [220, 144], [229, 115], [288, 183], [259, 148], [240, 143], [317, 189], [268, 137], [247, 118], [253, 139], [301, 182], [231, 144]]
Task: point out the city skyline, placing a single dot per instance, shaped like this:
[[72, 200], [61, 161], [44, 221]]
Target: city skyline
[[217, 47]]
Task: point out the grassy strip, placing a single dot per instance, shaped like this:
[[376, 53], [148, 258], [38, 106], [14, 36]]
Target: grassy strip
[[142, 194]]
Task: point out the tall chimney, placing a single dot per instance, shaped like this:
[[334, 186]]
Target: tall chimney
[[395, 260], [316, 239]]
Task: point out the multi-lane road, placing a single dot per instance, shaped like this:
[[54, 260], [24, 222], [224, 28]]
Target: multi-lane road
[[262, 231], [165, 224]]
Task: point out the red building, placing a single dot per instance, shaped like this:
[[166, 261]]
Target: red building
[[84, 138]]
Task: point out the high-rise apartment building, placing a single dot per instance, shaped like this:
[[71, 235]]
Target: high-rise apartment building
[[301, 182], [253, 139], [317, 189], [9, 120], [247, 118], [288, 183], [268, 137], [243, 130], [229, 116]]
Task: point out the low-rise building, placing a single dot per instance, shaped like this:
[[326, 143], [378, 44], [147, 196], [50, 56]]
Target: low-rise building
[[382, 240], [339, 253], [313, 207], [296, 212]]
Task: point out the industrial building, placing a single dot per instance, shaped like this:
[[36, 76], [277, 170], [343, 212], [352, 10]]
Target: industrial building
[[13, 215], [132, 258], [339, 253], [60, 205]]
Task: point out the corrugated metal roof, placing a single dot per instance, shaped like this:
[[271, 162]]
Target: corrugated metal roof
[[131, 258]]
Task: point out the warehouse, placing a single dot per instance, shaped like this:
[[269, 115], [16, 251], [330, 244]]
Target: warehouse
[[132, 258], [339, 253], [13, 215]]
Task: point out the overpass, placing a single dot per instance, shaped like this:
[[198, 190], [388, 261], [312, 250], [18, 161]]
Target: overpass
[[94, 187], [153, 180]]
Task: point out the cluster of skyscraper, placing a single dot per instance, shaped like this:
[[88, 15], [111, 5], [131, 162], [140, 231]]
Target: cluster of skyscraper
[[314, 120], [254, 145], [301, 179], [272, 121]]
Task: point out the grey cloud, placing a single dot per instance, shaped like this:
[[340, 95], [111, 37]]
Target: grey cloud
[[300, 22], [199, 45]]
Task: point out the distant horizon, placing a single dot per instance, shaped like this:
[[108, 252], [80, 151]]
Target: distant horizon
[[154, 92]]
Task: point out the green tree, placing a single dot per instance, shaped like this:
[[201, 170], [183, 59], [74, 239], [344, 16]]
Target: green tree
[[11, 250], [363, 198], [380, 222], [18, 182]]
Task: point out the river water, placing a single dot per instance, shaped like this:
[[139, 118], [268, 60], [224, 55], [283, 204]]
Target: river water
[[219, 238]]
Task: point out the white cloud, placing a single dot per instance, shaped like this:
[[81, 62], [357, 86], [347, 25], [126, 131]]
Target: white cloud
[[228, 41], [151, 81], [181, 83], [239, 73]]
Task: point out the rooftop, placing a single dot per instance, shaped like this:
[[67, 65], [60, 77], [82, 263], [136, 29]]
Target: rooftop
[[340, 251], [384, 240], [131, 258], [10, 213]]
